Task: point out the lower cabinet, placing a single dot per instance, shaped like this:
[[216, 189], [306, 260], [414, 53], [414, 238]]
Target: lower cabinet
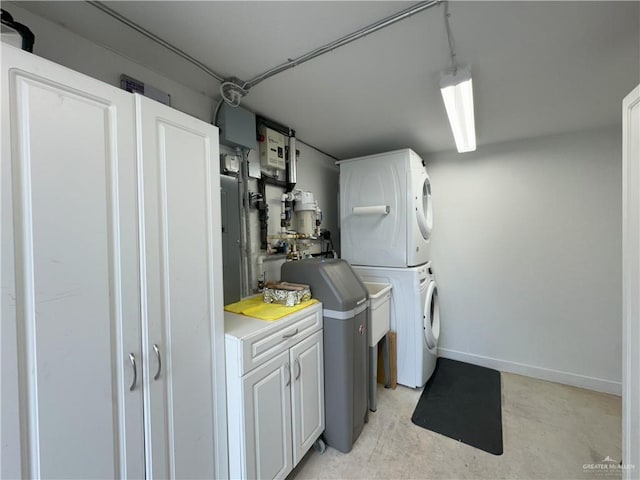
[[307, 394], [266, 394], [275, 383]]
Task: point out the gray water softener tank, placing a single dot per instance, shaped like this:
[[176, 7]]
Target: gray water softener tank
[[344, 302]]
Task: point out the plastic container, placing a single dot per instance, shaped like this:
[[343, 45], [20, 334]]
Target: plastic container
[[345, 318]]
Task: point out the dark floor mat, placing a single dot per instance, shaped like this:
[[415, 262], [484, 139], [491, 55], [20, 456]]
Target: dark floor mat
[[463, 402]]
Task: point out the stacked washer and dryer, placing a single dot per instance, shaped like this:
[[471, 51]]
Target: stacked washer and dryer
[[386, 219]]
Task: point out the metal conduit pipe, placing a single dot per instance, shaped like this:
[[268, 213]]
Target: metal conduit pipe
[[363, 32], [155, 38], [245, 227]]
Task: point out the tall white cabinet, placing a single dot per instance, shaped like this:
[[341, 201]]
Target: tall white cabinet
[[112, 350]]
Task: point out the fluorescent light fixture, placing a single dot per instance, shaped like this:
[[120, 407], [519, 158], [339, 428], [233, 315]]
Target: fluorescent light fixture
[[457, 93]]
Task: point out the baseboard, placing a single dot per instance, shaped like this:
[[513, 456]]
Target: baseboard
[[566, 378]]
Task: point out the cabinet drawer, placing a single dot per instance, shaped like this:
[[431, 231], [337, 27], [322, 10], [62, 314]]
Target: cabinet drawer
[[260, 346]]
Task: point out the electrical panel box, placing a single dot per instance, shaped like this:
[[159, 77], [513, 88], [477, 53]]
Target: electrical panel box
[[230, 208], [237, 127], [272, 149], [230, 163]]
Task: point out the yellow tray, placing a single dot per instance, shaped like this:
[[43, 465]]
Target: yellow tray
[[255, 307]]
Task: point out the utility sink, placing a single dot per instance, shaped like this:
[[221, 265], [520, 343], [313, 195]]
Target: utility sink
[[379, 310]]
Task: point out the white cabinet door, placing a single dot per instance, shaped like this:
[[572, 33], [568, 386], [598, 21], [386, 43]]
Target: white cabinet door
[[182, 299], [70, 296], [266, 393], [307, 394]]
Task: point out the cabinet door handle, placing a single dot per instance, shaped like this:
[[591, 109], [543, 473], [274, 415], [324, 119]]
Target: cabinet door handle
[[299, 369], [289, 376], [132, 359], [157, 352], [289, 335]]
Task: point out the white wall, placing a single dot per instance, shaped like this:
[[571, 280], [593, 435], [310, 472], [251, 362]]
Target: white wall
[[319, 174], [316, 171], [527, 254]]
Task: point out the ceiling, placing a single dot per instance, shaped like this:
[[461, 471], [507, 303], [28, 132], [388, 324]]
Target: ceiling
[[539, 68]]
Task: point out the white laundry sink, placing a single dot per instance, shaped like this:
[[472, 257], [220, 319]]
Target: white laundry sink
[[379, 310]]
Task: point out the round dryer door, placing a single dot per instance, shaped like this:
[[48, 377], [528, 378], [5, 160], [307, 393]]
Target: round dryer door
[[431, 316], [424, 210]]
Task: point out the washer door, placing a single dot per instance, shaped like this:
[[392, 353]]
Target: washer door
[[431, 316], [424, 210]]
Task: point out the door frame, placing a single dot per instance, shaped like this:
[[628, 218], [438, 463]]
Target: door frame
[[630, 286]]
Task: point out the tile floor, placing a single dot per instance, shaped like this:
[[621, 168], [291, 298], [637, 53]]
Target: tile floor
[[550, 431]]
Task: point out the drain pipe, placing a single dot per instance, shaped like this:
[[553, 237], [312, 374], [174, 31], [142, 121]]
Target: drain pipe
[[292, 171]]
